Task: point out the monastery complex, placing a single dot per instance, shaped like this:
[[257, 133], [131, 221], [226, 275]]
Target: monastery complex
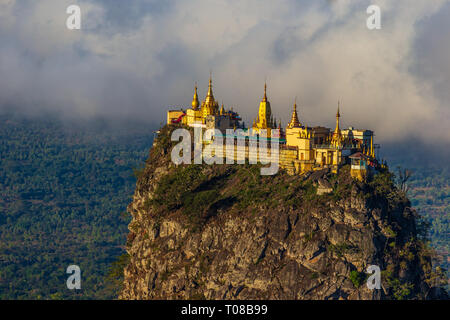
[[301, 148]]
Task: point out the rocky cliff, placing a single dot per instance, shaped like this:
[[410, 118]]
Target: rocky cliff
[[226, 232]]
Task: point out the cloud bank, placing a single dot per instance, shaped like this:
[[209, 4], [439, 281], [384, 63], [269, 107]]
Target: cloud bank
[[135, 59]]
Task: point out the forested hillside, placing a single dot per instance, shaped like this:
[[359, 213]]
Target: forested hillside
[[64, 190], [430, 194], [429, 191]]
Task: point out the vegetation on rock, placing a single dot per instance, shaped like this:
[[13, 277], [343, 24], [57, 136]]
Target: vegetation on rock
[[225, 231]]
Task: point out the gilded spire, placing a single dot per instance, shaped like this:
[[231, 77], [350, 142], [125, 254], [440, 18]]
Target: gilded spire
[[222, 110], [210, 106], [264, 120], [210, 93], [195, 102], [294, 123], [337, 138], [338, 115], [372, 150], [265, 92]]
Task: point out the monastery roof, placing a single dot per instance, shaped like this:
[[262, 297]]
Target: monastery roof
[[358, 155]]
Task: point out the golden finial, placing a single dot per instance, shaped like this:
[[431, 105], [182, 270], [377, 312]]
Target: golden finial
[[195, 102], [337, 131], [265, 92], [210, 86], [209, 100], [294, 119]]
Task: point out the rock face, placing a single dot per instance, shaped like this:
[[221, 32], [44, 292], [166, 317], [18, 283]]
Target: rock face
[[225, 232]]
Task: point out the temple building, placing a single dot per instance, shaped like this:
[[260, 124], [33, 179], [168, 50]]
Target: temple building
[[206, 115], [320, 147], [302, 148]]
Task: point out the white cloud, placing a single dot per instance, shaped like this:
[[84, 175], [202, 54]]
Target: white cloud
[[319, 51]]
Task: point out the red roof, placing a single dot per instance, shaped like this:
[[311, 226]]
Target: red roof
[[358, 155]]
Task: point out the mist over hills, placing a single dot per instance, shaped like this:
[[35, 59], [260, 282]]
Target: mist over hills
[[416, 152], [134, 60]]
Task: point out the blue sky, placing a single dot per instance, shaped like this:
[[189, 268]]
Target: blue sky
[[135, 59]]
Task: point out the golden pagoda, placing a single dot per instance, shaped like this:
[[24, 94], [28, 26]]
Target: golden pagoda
[[337, 136], [209, 105], [194, 115], [294, 123], [264, 121], [195, 102], [302, 148]]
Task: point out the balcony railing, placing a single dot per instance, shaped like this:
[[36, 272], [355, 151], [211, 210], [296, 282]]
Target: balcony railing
[[329, 146]]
